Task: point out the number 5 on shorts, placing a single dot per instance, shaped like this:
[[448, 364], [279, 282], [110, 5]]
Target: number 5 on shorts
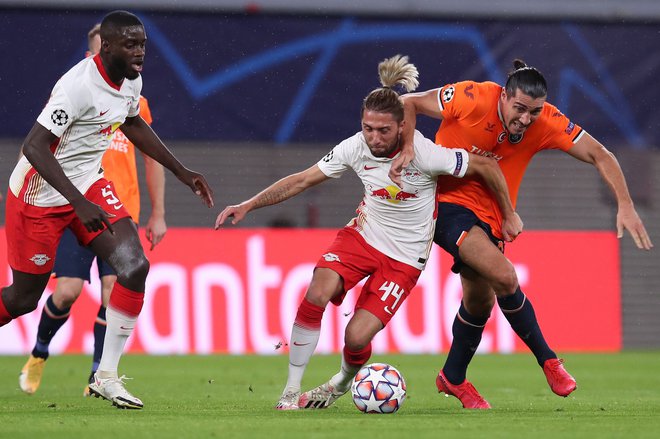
[[110, 197]]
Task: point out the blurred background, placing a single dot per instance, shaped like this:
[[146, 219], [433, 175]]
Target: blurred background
[[248, 92]]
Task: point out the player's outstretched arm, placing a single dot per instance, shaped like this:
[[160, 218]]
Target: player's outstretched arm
[[490, 172], [145, 139], [279, 191], [36, 149], [589, 150], [413, 104], [155, 177]]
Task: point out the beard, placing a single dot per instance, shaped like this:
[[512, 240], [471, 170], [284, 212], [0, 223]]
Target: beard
[[386, 151]]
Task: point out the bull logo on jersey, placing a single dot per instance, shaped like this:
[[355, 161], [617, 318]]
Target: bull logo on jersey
[[331, 257], [411, 175], [392, 194], [40, 259], [110, 129], [448, 94], [59, 117]]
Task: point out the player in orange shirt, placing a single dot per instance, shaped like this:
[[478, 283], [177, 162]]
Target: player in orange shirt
[[509, 124], [73, 261]]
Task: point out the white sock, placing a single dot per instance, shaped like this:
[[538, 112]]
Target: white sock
[[119, 328], [301, 347], [344, 378]]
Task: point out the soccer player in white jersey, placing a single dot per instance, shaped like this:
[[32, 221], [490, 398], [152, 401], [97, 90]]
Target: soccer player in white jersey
[[59, 183], [389, 241]]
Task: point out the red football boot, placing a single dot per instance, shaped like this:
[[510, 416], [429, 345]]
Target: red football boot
[[560, 381], [465, 392]]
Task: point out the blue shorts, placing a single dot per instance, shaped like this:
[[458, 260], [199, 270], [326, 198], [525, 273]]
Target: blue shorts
[[454, 220], [75, 260]]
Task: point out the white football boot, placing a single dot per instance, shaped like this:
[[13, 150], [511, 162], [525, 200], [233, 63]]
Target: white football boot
[[113, 390], [288, 400], [320, 397]]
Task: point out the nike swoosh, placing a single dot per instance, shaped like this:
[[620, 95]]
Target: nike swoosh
[[103, 112], [125, 328], [387, 310], [300, 344], [369, 168], [118, 207]]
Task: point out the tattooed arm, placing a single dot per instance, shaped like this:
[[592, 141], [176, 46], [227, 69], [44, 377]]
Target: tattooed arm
[[276, 193]]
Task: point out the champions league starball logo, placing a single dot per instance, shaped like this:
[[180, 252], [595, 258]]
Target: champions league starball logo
[[328, 156], [448, 94], [59, 117]]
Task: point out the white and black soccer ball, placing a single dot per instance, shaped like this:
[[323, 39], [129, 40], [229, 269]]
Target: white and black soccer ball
[[378, 388]]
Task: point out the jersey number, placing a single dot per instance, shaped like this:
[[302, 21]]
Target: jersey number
[[391, 289], [110, 196]]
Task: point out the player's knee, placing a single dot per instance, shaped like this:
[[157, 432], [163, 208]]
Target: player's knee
[[135, 270], [24, 305], [356, 341], [65, 298], [479, 306], [317, 296], [506, 283]]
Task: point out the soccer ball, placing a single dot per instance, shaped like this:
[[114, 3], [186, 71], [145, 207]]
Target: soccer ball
[[378, 388]]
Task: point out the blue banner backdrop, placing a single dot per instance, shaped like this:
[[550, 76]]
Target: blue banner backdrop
[[285, 78]]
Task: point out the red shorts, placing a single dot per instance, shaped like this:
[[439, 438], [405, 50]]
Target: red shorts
[[389, 282], [33, 233]]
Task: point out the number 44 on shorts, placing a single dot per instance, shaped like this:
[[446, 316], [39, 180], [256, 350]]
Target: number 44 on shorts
[[391, 289]]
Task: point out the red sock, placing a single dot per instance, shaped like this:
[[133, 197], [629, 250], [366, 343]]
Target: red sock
[[5, 317], [309, 315], [126, 301], [358, 358]]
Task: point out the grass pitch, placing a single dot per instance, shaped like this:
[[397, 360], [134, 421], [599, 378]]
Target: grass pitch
[[223, 396]]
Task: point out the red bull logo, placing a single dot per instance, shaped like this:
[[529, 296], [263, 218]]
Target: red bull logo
[[401, 195], [109, 130], [392, 194]]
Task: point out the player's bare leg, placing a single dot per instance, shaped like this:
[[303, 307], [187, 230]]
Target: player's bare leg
[[22, 296], [492, 266], [123, 251]]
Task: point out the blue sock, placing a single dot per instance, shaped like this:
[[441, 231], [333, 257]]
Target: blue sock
[[52, 319], [99, 337], [519, 311], [467, 330]]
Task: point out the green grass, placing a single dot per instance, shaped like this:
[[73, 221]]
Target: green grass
[[224, 397]]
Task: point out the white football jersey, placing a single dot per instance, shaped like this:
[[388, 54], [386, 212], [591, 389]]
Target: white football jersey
[[84, 110], [398, 222]]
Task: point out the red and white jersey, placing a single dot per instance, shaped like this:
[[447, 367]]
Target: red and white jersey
[[84, 110], [398, 222]]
